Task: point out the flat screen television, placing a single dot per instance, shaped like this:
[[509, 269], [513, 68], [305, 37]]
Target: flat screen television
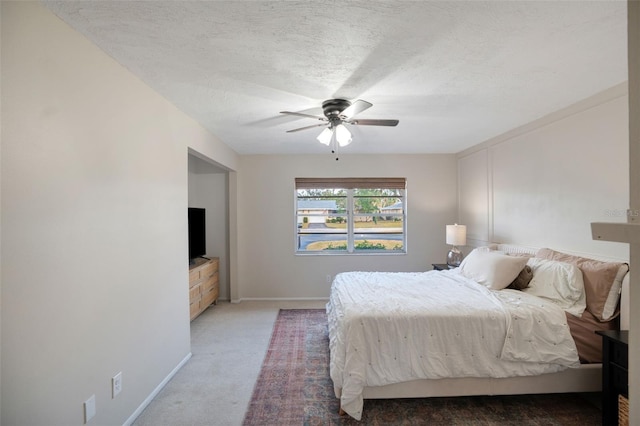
[[197, 240]]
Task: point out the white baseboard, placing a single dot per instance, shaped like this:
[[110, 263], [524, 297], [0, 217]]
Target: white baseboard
[[157, 390], [279, 299]]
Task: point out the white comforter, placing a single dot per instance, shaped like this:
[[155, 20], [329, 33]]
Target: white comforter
[[395, 327]]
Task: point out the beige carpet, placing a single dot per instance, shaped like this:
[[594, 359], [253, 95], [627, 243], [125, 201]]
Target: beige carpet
[[228, 343]]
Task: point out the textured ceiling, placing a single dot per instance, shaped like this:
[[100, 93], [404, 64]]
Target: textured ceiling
[[454, 73]]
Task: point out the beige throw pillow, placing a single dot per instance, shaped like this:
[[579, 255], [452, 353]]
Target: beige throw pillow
[[599, 281]]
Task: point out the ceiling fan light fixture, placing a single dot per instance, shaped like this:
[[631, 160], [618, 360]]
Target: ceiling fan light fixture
[[343, 135], [337, 113], [325, 137]]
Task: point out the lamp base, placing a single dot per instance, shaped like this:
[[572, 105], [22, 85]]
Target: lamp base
[[454, 257]]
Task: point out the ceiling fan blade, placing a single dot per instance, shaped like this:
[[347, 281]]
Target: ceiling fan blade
[[300, 114], [374, 122], [355, 108], [306, 127]]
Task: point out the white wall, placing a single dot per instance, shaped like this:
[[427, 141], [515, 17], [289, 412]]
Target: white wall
[[270, 269], [542, 185], [633, 46], [94, 229], [208, 189]]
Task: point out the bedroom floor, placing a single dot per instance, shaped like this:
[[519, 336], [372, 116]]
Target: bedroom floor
[[228, 342]]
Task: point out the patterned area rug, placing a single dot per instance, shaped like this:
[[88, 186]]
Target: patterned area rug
[[294, 388]]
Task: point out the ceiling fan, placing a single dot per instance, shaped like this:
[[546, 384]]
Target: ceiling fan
[[337, 112]]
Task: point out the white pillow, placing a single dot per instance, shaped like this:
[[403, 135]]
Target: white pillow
[[559, 282], [492, 269]]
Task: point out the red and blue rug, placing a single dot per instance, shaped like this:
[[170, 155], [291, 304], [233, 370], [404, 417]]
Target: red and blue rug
[[294, 388]]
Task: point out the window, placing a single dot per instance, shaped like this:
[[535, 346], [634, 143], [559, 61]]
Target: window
[[350, 215]]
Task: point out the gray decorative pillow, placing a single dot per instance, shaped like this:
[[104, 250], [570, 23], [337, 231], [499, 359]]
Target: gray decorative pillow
[[522, 280]]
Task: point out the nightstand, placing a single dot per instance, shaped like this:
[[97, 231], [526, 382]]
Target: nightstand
[[440, 266], [615, 367]]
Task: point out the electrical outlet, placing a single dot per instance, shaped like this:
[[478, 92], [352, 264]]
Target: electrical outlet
[[328, 278], [116, 385], [89, 408]]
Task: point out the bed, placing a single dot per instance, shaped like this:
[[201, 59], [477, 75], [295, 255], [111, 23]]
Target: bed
[[469, 331]]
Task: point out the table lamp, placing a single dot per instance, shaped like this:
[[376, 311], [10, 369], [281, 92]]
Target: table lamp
[[456, 236]]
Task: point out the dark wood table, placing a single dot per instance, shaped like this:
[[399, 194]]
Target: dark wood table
[[440, 266], [615, 372]]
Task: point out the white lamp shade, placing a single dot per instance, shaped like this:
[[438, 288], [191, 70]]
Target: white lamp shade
[[343, 135], [457, 235], [325, 137]]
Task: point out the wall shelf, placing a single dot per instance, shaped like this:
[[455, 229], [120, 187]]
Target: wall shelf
[[616, 232]]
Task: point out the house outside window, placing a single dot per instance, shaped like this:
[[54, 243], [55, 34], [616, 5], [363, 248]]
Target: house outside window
[[350, 215]]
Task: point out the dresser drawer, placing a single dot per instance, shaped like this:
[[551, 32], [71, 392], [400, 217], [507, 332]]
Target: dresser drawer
[[194, 292], [194, 276], [194, 309], [209, 297], [211, 282], [207, 271]]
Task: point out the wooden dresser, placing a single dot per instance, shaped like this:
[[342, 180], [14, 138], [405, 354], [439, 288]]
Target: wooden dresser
[[204, 285]]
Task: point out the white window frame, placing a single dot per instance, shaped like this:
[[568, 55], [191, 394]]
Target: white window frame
[[349, 185]]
